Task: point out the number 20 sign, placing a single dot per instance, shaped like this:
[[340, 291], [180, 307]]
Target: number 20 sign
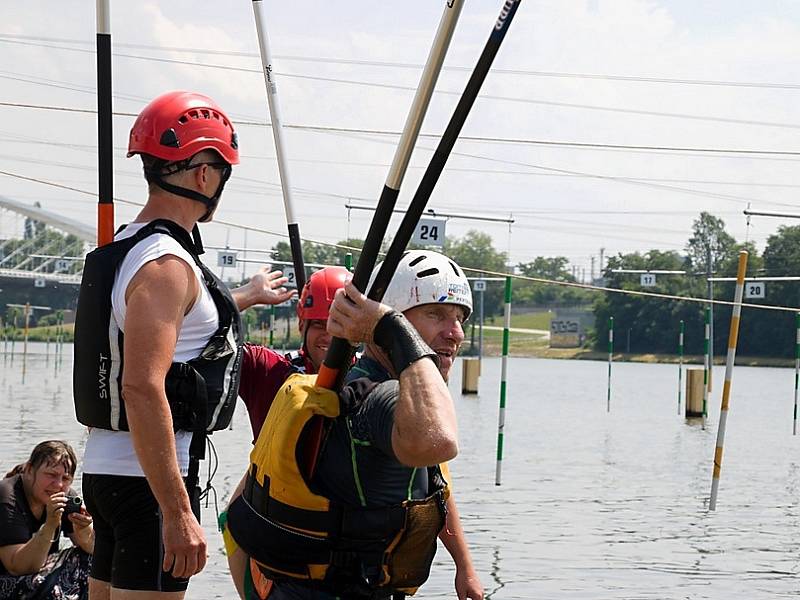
[[429, 232], [755, 289]]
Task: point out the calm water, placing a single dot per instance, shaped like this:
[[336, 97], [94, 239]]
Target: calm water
[[593, 505]]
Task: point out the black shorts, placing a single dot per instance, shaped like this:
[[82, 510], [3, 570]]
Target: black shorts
[[128, 547]]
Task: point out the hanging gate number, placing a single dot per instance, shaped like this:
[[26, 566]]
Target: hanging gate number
[[429, 232], [755, 289], [226, 259], [647, 280]]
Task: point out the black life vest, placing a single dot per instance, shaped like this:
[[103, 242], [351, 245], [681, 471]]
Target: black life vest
[[201, 392], [296, 534]]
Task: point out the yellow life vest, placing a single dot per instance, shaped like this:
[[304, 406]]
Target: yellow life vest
[[296, 534]]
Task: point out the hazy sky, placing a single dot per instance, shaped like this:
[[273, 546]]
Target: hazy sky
[[566, 199]]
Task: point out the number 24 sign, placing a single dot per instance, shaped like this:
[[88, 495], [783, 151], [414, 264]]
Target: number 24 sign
[[429, 232]]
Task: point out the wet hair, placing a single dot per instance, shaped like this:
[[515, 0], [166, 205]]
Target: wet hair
[[53, 452]]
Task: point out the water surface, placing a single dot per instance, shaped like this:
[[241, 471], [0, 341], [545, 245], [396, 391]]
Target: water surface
[[593, 504]]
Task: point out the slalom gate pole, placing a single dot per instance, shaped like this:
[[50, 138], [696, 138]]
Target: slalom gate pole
[[680, 365], [105, 142], [27, 327], [443, 150], [280, 145], [501, 419], [272, 326], [610, 359], [733, 338], [340, 352], [706, 364], [796, 370], [348, 261]]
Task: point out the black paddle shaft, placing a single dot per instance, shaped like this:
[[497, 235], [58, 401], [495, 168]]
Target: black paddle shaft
[[443, 150], [340, 353], [340, 349]]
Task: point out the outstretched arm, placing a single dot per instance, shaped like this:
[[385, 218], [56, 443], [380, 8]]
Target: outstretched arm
[[265, 287]]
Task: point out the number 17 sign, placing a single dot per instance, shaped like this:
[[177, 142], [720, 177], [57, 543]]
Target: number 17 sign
[[429, 232]]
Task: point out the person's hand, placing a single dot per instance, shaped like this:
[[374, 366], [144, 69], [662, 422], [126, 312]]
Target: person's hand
[[82, 528], [55, 508], [468, 585], [265, 287], [184, 545], [353, 316]]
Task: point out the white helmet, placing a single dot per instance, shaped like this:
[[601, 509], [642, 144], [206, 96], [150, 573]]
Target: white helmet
[[425, 277]]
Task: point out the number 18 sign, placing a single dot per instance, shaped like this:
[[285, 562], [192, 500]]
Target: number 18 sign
[[429, 232]]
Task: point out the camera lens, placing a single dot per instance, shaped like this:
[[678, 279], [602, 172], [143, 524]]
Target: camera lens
[[76, 501]]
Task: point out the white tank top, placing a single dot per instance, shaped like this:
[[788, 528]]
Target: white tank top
[[111, 452]]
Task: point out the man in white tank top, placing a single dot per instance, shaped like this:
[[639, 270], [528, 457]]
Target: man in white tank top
[[149, 541]]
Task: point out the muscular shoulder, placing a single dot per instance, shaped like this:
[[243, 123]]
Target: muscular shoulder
[[160, 261]]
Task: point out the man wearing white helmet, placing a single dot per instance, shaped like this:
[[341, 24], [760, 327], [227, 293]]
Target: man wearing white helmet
[[365, 524], [433, 295]]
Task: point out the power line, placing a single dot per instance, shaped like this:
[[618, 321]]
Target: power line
[[492, 273], [467, 138], [485, 139], [417, 66], [92, 148], [346, 131], [650, 113]]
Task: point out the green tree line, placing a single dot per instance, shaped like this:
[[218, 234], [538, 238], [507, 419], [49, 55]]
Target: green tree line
[[653, 323], [476, 253]]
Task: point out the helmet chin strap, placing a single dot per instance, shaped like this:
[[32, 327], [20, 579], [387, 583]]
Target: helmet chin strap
[[154, 175], [210, 202]]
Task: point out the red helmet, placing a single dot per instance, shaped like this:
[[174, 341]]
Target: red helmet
[[177, 125], [315, 301]]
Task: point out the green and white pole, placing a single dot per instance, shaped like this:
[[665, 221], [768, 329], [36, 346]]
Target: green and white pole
[[501, 422], [706, 363], [796, 370], [348, 261], [680, 366], [610, 359]]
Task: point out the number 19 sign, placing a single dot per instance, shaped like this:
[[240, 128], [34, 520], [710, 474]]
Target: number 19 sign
[[429, 232]]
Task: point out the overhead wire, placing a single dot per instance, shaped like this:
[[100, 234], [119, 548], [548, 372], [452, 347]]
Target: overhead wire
[[466, 138], [229, 68], [346, 132], [485, 272], [417, 66]]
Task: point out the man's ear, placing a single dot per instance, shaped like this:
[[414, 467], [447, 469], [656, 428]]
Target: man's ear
[[202, 177]]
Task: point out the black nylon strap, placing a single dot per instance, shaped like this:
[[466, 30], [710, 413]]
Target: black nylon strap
[[396, 336]]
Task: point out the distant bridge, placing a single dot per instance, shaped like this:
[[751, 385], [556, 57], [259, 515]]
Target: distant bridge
[[43, 253]]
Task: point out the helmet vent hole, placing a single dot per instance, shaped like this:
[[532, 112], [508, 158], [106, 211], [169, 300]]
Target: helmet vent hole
[[206, 114], [183, 120], [194, 114], [427, 273], [416, 261]]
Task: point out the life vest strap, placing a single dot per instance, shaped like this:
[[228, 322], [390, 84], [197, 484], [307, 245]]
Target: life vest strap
[[258, 497]]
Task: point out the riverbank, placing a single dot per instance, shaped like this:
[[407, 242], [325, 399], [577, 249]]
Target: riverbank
[[542, 350], [523, 346]]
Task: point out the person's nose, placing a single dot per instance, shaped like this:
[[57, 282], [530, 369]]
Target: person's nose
[[455, 331]]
